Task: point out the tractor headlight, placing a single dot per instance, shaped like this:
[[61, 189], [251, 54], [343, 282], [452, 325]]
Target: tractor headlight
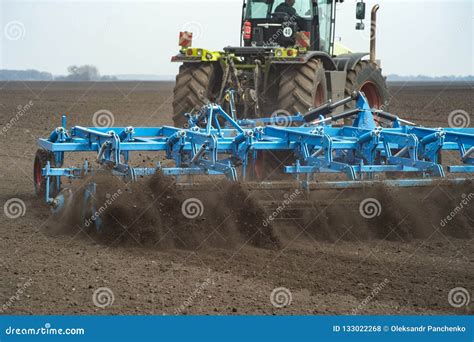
[[279, 53], [199, 52]]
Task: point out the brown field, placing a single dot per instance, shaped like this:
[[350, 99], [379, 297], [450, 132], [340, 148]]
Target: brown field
[[328, 257]]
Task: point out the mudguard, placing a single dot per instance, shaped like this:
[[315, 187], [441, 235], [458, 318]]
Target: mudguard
[[348, 61], [328, 62]]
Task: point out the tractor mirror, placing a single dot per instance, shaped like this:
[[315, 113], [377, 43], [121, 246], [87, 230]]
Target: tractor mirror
[[360, 10]]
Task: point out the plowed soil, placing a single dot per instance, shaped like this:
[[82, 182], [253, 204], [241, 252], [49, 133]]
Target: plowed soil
[[327, 257]]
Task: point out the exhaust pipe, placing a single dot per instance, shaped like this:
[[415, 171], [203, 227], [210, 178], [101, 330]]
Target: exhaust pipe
[[373, 32]]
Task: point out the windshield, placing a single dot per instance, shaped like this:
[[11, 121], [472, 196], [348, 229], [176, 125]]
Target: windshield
[[325, 13], [263, 9]]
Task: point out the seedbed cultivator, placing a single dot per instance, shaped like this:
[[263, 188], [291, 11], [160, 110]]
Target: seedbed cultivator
[[216, 143]]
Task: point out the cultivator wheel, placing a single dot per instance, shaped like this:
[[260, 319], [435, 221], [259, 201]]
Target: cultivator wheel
[[42, 157], [302, 87], [195, 84], [367, 77]]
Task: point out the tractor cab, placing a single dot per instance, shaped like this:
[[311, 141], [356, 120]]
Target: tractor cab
[[304, 24]]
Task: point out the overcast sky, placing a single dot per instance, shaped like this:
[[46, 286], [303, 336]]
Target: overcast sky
[[138, 37]]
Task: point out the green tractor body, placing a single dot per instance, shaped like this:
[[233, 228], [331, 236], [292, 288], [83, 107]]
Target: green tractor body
[[287, 62]]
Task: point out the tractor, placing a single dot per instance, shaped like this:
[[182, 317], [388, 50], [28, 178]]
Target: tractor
[[288, 62]]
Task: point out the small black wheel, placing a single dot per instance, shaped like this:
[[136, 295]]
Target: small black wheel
[[41, 159]]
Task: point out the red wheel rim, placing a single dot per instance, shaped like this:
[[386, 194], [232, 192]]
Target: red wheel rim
[[372, 94], [319, 96], [259, 167], [37, 176]]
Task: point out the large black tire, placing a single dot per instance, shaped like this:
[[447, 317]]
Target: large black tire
[[367, 77], [302, 87], [196, 84], [41, 158]]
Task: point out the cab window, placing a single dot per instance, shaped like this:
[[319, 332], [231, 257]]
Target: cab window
[[263, 9]]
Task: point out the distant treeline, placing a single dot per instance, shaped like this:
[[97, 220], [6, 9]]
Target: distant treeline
[[422, 78], [25, 75], [91, 73], [75, 74]]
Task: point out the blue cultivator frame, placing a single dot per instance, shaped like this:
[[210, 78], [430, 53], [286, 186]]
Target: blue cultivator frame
[[216, 143]]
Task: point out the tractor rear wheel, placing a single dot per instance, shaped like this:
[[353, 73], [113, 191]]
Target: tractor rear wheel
[[302, 87], [196, 84], [367, 77]]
